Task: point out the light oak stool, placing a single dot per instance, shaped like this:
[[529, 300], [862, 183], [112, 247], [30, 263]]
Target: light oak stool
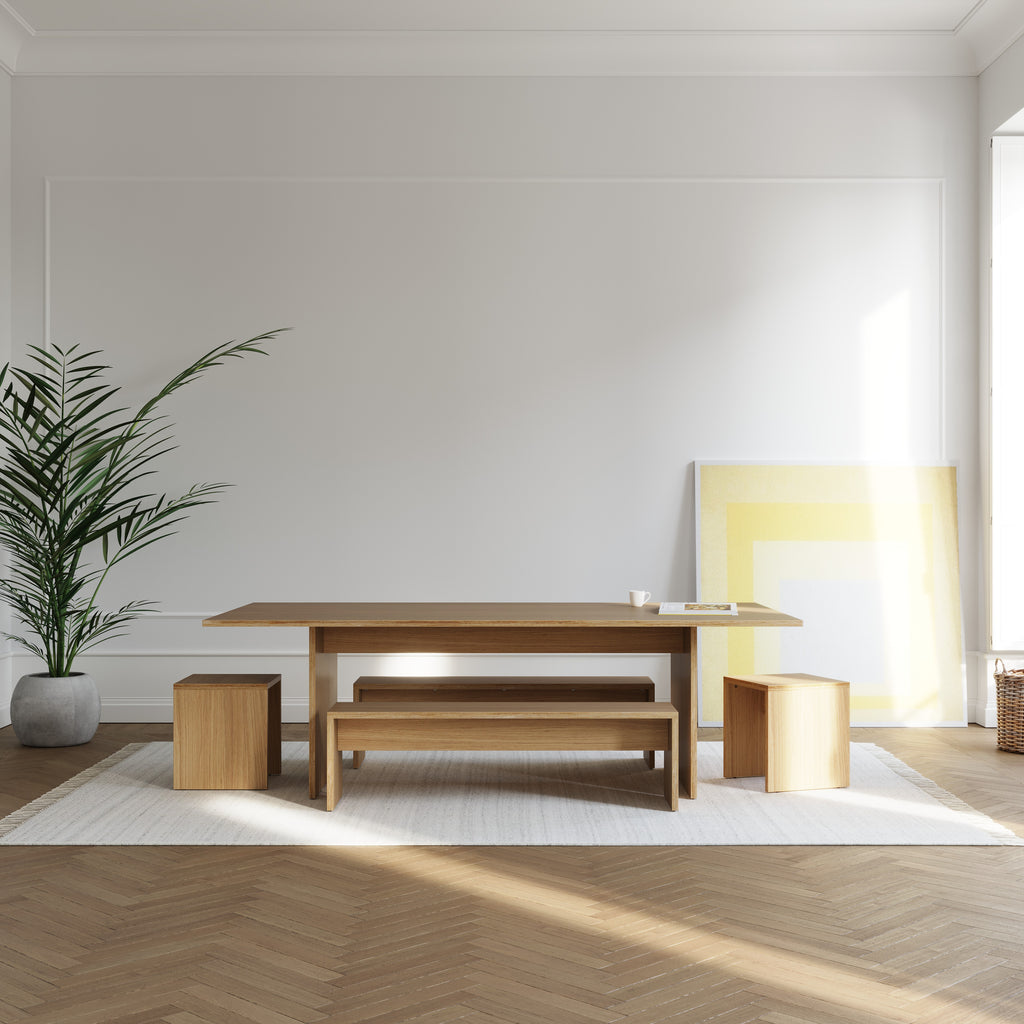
[[792, 729], [227, 731]]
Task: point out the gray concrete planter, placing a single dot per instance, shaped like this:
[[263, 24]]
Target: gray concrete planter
[[52, 711]]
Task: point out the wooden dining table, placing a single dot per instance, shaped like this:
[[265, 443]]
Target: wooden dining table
[[495, 628]]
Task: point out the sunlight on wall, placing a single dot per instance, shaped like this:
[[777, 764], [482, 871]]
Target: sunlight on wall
[[907, 611], [887, 407], [415, 665], [886, 384]]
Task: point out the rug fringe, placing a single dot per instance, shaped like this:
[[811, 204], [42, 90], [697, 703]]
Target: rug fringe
[[980, 821], [30, 810]]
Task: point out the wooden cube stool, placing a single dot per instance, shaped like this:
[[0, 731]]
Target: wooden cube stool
[[792, 729], [227, 731]]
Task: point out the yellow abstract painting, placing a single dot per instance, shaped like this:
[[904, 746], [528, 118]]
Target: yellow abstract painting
[[867, 556]]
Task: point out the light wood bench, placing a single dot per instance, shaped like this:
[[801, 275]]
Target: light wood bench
[[792, 729], [501, 725], [503, 688], [227, 731]]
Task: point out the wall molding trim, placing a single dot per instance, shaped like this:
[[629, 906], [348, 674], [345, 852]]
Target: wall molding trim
[[100, 654], [990, 28], [980, 703], [495, 179], [50, 181], [161, 709], [516, 52], [13, 33]]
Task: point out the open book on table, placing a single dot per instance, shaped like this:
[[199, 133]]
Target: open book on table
[[697, 608]]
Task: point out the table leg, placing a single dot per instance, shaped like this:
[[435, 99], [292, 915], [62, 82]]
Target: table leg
[[672, 766], [323, 694], [649, 754], [274, 729], [683, 676], [333, 766]]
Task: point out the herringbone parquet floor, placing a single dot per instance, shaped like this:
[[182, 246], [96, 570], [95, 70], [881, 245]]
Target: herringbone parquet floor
[[780, 935]]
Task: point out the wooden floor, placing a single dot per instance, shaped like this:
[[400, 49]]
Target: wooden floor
[[787, 935]]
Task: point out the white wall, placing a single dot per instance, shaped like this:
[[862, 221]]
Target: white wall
[[1001, 89], [522, 308], [5, 330]]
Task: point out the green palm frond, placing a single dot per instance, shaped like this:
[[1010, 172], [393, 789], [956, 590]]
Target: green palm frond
[[72, 461]]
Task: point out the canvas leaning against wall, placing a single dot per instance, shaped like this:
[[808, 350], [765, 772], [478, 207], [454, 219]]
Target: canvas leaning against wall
[[867, 556]]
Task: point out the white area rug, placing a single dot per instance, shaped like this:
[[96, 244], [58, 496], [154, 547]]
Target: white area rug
[[534, 798]]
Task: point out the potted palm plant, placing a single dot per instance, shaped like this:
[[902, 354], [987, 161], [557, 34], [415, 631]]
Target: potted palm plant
[[74, 502]]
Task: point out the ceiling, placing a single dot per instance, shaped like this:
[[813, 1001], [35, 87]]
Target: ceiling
[[957, 37], [342, 15]]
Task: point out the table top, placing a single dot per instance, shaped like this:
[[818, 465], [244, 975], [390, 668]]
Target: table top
[[476, 613]]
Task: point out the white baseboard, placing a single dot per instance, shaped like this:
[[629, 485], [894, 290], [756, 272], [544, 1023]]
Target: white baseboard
[[135, 685], [6, 687], [981, 713], [981, 689], [161, 709]]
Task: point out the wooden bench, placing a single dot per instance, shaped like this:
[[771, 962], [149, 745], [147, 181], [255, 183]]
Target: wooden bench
[[503, 688], [503, 725]]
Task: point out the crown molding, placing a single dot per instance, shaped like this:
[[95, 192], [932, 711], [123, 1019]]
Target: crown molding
[[991, 29], [498, 53], [13, 33]]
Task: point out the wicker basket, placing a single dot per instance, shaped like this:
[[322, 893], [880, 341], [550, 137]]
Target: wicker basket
[[1009, 708]]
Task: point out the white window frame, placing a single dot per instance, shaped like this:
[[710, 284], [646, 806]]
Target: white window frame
[[1007, 395]]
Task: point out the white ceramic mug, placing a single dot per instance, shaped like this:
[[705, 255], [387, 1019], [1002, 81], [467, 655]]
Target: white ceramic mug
[[638, 598]]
